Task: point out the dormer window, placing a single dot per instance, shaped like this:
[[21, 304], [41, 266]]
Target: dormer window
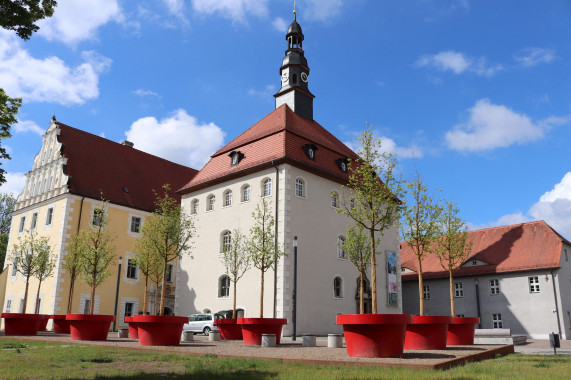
[[342, 164], [310, 150], [235, 157]]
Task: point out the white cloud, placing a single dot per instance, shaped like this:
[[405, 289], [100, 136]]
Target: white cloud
[[49, 79], [322, 10], [505, 220], [179, 138], [235, 10], [530, 57], [266, 93], [389, 145], [280, 24], [141, 92], [458, 63], [174, 6], [14, 184], [75, 21], [493, 126], [28, 126]]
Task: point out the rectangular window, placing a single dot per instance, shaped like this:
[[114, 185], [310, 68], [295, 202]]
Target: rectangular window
[[97, 216], [494, 287], [22, 224], [86, 306], [128, 310], [246, 193], [426, 292], [341, 254], [14, 268], [497, 321], [135, 224], [34, 221], [49, 216], [458, 290], [131, 268], [169, 273], [9, 306], [534, 284]]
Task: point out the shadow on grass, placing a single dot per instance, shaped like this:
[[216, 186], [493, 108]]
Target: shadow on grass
[[460, 348], [426, 355], [247, 375]]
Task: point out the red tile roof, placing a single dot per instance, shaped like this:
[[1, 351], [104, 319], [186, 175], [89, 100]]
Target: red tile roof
[[278, 137], [97, 165], [519, 247]]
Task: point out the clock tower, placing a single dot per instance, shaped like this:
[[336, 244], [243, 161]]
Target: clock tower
[[294, 74]]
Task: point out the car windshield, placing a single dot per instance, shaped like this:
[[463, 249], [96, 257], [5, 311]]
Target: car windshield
[[218, 316]]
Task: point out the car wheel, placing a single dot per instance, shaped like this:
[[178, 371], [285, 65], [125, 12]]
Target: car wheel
[[206, 330]]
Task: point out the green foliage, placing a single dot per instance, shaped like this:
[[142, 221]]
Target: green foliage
[[263, 252], [357, 249], [236, 260], [372, 196], [8, 110], [21, 15], [72, 264], [7, 203], [150, 266], [45, 265]]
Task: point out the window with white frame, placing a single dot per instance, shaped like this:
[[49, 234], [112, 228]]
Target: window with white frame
[[494, 287], [300, 187], [49, 216], [246, 193], [22, 224], [34, 222], [169, 273], [14, 268], [534, 284], [225, 241], [135, 224], [335, 199], [458, 290], [86, 306], [267, 188], [194, 207], [128, 310], [131, 268], [341, 254], [497, 321], [210, 202], [223, 286], [426, 292], [98, 215], [8, 306], [338, 287], [228, 198]]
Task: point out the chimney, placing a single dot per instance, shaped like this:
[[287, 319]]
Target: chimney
[[128, 144]]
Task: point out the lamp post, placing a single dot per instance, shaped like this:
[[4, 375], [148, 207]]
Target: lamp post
[[117, 293], [294, 300]]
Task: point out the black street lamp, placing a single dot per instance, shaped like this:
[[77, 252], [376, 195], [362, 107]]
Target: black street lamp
[[117, 293], [294, 300]]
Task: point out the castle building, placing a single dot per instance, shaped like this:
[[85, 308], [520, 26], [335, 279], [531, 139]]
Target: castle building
[[300, 168]]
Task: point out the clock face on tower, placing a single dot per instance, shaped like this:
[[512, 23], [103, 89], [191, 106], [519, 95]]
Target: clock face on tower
[[304, 77], [285, 77]]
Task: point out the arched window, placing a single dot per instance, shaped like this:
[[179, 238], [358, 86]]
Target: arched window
[[225, 240], [210, 202], [223, 286], [228, 198], [194, 207], [338, 287], [334, 199], [341, 254], [300, 187], [267, 187], [246, 193]]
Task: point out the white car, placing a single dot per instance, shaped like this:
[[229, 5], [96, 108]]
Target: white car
[[201, 323]]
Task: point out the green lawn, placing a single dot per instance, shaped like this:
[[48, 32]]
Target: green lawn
[[33, 360]]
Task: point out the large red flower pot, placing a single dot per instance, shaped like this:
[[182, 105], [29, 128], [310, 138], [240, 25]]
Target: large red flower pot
[[427, 332], [89, 326], [133, 329], [229, 329], [461, 331], [374, 335], [21, 324], [43, 322], [159, 330], [61, 325], [254, 328]]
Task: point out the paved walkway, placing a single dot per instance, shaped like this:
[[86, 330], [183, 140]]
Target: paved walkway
[[541, 346]]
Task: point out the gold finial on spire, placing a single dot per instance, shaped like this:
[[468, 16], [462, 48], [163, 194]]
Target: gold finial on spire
[[294, 11]]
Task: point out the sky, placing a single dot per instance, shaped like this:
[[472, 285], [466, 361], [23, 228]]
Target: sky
[[474, 95]]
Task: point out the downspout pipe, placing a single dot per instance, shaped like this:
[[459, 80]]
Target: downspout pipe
[[276, 239], [556, 304]]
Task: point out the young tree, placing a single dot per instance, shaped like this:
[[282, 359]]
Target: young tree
[[156, 278], [263, 252], [151, 268], [21, 15], [45, 265], [167, 233], [24, 257], [419, 225], [373, 195], [453, 247], [357, 248], [7, 203], [72, 264], [236, 261], [8, 110], [96, 245]]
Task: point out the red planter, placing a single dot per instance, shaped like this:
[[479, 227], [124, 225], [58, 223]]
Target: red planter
[[133, 329], [61, 325], [89, 326], [159, 330], [461, 332], [427, 332], [254, 328], [43, 322], [21, 324], [229, 329], [374, 335]]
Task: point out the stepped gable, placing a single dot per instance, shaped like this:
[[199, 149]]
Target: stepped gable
[[518, 247], [126, 176], [277, 138]]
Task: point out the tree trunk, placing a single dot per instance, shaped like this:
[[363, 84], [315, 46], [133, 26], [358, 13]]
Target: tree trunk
[[373, 274], [37, 311], [262, 296], [452, 305], [92, 299], [361, 295], [156, 311], [70, 297], [25, 301], [163, 290], [420, 287], [234, 303], [146, 296]]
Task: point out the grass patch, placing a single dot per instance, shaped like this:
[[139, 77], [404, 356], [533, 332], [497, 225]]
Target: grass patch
[[58, 361]]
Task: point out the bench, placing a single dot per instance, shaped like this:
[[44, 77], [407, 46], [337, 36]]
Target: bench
[[498, 336]]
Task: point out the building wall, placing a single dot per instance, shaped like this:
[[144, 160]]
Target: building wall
[[563, 282]]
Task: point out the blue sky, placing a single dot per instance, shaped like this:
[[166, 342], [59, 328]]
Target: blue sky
[[474, 94]]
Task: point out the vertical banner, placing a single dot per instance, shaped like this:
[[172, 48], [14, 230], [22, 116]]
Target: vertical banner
[[392, 279]]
